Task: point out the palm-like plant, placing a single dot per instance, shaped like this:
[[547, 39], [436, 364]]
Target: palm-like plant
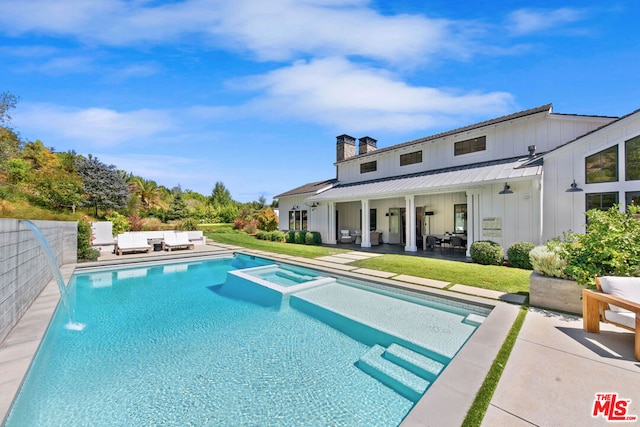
[[148, 191]]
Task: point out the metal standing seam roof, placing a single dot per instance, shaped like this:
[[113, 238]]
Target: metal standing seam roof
[[425, 182]]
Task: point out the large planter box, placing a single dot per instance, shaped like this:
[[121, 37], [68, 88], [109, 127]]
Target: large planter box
[[555, 294]]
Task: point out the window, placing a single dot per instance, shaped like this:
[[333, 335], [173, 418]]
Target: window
[[602, 166], [601, 201], [470, 146], [411, 158], [632, 159], [368, 167], [297, 220], [373, 219], [460, 218], [633, 198]]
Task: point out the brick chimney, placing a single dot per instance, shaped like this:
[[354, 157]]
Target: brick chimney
[[366, 145], [346, 147]]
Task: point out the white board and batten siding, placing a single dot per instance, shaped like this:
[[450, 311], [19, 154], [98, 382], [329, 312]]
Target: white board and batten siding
[[564, 212]]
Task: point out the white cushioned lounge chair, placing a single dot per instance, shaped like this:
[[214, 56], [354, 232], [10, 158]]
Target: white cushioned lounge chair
[[102, 233], [178, 240], [617, 301], [132, 242]]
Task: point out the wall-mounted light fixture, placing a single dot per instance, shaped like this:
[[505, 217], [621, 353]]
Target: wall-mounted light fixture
[[506, 189], [573, 188], [294, 207]]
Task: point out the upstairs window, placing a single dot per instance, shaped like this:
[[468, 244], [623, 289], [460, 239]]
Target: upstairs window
[[368, 167], [411, 158], [632, 159], [470, 146], [602, 166]]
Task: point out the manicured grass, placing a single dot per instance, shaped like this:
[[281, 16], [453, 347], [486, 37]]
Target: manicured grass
[[506, 279], [216, 228], [483, 397], [246, 241]]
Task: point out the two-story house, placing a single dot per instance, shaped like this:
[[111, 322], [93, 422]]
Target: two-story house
[[527, 176]]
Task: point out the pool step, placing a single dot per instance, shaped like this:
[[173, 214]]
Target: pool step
[[413, 362], [406, 383]]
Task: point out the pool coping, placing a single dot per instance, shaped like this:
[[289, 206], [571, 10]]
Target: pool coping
[[452, 394]]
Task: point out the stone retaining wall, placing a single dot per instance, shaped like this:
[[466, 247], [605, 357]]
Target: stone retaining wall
[[24, 270]]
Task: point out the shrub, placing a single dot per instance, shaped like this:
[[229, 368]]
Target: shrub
[[152, 224], [251, 227], [189, 224], [547, 262], [518, 254], [312, 238], [135, 223], [238, 224], [267, 220], [119, 222], [85, 251], [486, 252], [299, 237], [289, 237], [277, 236], [609, 246]]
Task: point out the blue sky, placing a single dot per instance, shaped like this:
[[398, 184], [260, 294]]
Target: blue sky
[[253, 93]]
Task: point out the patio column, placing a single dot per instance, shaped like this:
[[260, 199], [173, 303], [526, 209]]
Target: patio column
[[410, 244], [473, 219], [331, 223], [366, 236]]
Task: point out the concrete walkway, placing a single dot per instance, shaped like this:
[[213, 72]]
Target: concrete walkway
[[556, 369], [551, 378]]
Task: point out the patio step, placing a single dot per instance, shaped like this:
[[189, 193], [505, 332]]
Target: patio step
[[414, 362], [401, 380]]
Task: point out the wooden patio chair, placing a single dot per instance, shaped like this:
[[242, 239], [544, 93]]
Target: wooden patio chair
[[617, 301]]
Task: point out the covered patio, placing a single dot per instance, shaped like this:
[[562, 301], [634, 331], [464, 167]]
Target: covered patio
[[496, 200]]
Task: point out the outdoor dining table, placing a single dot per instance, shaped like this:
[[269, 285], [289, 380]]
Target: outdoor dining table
[[444, 238]]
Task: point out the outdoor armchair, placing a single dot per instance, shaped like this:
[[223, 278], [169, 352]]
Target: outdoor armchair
[[617, 301]]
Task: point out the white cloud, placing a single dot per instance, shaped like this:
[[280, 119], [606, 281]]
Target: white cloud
[[273, 30], [339, 93], [167, 170], [91, 127], [529, 21], [120, 75]]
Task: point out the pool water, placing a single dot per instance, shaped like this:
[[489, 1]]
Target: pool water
[[163, 346]]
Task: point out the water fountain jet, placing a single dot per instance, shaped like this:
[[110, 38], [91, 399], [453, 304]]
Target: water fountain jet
[[53, 264]]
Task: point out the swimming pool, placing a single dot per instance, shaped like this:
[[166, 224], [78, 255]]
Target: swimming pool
[[164, 345]]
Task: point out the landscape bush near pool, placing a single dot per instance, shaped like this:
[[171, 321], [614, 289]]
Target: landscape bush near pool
[[609, 247], [486, 252]]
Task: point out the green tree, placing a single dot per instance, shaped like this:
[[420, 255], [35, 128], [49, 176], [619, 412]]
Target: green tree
[[178, 207], [148, 191], [220, 196], [102, 185], [8, 102]]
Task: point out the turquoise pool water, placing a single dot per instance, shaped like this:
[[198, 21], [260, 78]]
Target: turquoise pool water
[[163, 346]]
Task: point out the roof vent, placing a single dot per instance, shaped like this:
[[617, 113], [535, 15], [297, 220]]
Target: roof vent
[[532, 150]]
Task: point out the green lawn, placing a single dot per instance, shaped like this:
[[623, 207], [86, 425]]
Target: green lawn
[[497, 278]]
